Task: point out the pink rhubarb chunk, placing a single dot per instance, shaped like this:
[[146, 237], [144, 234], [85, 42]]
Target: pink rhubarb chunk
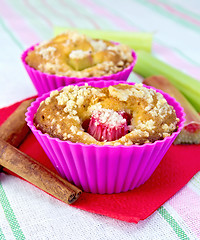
[[107, 125]]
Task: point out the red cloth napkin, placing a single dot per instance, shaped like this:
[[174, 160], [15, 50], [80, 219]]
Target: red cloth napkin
[[175, 170]]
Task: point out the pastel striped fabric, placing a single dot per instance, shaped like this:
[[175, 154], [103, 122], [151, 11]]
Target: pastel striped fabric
[[28, 213]]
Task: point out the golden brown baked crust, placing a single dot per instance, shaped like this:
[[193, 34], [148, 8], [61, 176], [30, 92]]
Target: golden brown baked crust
[[61, 115], [75, 55]]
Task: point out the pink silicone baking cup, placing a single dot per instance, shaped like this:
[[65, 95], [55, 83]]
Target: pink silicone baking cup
[[104, 169], [45, 82]]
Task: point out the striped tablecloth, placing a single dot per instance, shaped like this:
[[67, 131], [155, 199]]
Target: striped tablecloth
[[28, 213]]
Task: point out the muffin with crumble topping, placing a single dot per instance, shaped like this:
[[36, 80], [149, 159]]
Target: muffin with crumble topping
[[72, 57], [105, 136]]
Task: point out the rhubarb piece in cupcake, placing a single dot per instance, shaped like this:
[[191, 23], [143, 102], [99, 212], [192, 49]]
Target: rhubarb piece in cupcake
[[107, 125]]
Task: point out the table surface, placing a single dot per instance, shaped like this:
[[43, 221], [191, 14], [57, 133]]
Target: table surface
[[27, 212]]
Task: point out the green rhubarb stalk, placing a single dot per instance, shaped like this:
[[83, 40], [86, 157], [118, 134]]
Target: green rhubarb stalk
[[147, 65], [136, 41]]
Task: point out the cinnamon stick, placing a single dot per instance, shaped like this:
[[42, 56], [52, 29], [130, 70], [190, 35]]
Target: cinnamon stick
[[35, 173], [12, 132], [15, 129], [190, 134]]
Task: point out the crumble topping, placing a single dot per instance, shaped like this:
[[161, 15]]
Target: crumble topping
[[138, 91], [75, 55], [79, 54], [152, 118], [148, 125], [98, 45], [109, 117], [73, 97], [74, 36], [47, 53]]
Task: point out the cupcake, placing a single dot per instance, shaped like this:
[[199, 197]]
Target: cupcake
[[105, 136], [72, 57]]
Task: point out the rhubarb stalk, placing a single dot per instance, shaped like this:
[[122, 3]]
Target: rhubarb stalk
[[191, 131], [147, 65]]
